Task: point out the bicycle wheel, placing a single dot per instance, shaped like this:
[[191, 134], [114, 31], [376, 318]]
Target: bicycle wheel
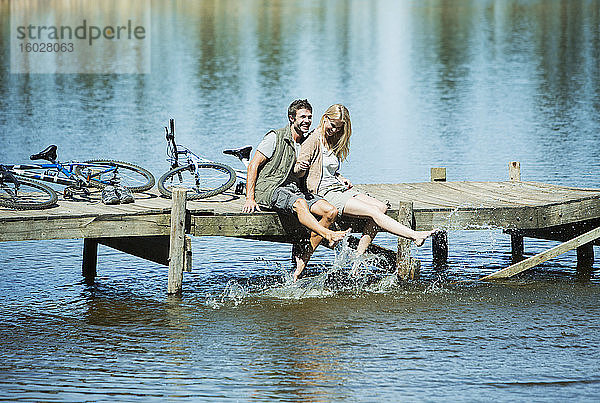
[[208, 180], [25, 194], [101, 173]]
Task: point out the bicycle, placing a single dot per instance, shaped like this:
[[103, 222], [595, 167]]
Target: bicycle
[[24, 194], [80, 176], [201, 177]]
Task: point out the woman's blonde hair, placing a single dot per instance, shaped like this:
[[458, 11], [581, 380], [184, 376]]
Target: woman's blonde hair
[[339, 143]]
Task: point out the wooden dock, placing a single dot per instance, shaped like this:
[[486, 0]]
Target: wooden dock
[[520, 208]]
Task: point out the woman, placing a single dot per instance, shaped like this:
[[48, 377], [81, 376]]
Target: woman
[[319, 160]]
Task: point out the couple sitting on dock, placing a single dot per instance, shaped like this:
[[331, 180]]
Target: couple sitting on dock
[[295, 171]]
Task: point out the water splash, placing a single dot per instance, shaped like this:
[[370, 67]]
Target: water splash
[[234, 293], [348, 274]]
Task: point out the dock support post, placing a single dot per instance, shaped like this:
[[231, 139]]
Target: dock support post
[[439, 240], [514, 171], [439, 249], [585, 258], [516, 239], [438, 174], [188, 254], [90, 259], [177, 241], [407, 266], [517, 247]]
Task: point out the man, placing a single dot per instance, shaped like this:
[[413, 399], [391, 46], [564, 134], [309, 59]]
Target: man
[[272, 183]]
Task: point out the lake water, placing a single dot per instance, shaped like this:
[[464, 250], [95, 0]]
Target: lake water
[[467, 85]]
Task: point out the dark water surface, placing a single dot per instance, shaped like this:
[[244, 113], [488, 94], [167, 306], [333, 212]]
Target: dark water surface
[[468, 85]]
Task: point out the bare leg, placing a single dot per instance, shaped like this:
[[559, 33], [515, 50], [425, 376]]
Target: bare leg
[[320, 229], [369, 232], [366, 206], [308, 220], [300, 257]]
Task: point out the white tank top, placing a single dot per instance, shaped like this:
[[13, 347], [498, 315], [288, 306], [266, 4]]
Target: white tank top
[[331, 164]]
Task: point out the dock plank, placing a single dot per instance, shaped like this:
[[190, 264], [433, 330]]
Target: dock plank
[[502, 194], [449, 205]]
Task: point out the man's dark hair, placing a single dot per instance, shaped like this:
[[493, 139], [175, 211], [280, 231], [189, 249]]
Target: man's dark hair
[[297, 105]]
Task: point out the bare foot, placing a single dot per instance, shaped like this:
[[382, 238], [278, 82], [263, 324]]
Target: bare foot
[[298, 270], [335, 236], [296, 274], [356, 260], [354, 271], [423, 235]]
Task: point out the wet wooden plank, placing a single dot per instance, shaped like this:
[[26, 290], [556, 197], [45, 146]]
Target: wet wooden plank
[[545, 256], [478, 218], [260, 224], [85, 227]]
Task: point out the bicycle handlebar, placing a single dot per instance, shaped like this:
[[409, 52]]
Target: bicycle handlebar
[[170, 135]]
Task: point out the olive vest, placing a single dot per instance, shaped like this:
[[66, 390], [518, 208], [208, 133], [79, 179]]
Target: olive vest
[[277, 169]]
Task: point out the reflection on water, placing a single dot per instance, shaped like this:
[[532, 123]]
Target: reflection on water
[[468, 85]]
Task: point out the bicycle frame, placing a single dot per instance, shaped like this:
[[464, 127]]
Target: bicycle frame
[[175, 150], [54, 170]]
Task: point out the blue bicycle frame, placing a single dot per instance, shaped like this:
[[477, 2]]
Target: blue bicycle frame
[[61, 173]]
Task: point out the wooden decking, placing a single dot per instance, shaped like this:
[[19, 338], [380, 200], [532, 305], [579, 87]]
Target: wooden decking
[[510, 205], [155, 228]]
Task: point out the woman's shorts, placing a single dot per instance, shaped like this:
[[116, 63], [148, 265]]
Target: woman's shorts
[[338, 198]]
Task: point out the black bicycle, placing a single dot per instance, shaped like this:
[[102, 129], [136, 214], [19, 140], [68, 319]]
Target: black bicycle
[[201, 177], [78, 177], [24, 194]]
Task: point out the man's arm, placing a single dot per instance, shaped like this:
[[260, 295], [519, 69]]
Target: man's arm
[[255, 163]]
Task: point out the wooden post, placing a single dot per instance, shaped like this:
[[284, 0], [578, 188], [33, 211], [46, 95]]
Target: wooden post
[[407, 266], [439, 240], [177, 241], [516, 239], [514, 171], [90, 259], [188, 254], [439, 249], [517, 247], [438, 174], [585, 258]]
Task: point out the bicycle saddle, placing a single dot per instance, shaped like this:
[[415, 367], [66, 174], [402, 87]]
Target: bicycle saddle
[[242, 153], [48, 154]]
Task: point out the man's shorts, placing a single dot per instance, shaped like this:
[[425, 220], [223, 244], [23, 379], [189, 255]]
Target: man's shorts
[[285, 196]]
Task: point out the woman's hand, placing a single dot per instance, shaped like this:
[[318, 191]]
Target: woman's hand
[[345, 181], [301, 167]]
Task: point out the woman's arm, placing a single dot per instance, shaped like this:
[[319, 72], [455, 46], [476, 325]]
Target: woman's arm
[[301, 167], [307, 152]]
